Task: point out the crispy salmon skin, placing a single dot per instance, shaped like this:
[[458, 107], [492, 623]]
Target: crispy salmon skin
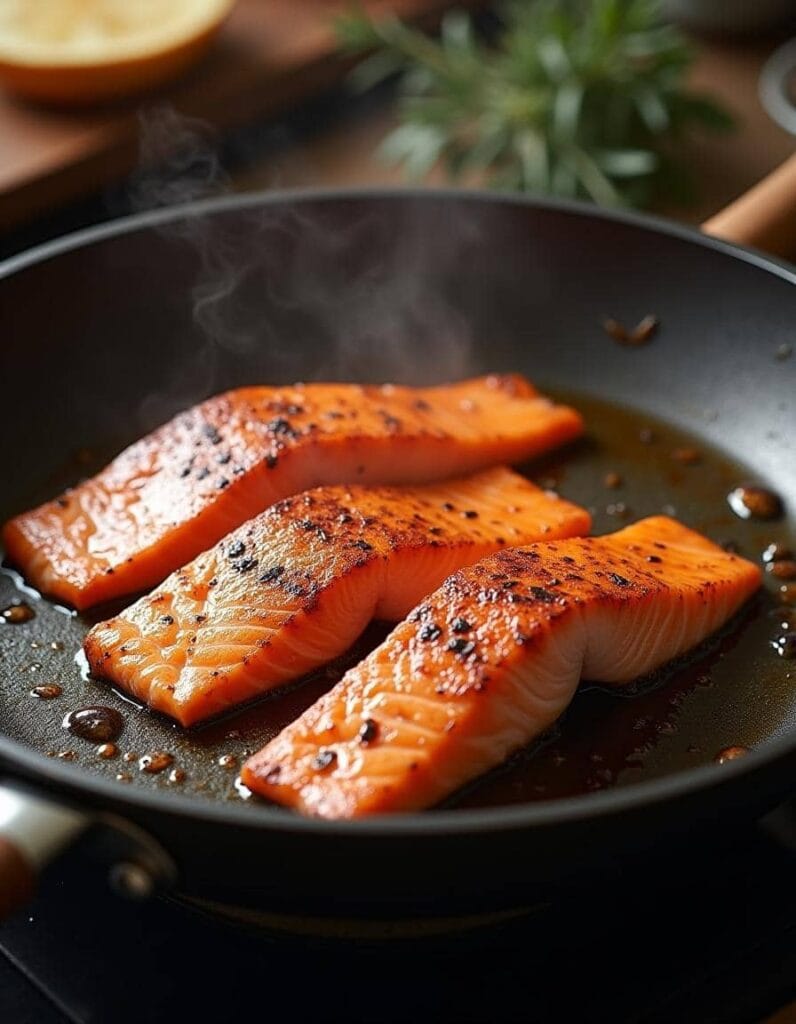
[[295, 586], [490, 660], [179, 490]]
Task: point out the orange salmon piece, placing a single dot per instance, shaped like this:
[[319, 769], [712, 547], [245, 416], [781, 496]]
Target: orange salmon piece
[[185, 486], [293, 588], [489, 661]]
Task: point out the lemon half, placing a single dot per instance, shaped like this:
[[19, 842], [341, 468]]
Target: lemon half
[[83, 51]]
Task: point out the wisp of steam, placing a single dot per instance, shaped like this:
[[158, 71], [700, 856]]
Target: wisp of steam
[[273, 263]]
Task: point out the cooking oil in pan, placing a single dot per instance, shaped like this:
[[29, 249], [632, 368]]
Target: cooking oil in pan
[[732, 694]]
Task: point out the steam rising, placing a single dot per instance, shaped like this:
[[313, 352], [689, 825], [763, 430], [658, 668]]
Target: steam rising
[[289, 295]]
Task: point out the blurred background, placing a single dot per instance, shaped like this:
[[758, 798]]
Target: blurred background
[[109, 106]]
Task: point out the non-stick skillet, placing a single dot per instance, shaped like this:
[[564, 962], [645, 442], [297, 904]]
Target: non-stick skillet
[[110, 331]]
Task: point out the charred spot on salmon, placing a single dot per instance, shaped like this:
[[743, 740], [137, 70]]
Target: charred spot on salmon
[[272, 574], [362, 545], [392, 423], [470, 514], [620, 581], [542, 594], [461, 646], [62, 502], [447, 506], [203, 473], [271, 461], [236, 549], [295, 589], [369, 731], [753, 502], [167, 620], [461, 626], [17, 614], [654, 558], [222, 483], [281, 427], [430, 631], [245, 565], [211, 433], [422, 405], [323, 760]]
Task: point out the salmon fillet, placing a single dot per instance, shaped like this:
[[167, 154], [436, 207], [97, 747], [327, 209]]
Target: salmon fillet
[[185, 486], [294, 587], [490, 660]]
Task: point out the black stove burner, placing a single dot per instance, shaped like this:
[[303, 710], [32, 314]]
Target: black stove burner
[[702, 935]]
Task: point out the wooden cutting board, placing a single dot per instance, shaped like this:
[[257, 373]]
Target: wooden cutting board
[[271, 55]]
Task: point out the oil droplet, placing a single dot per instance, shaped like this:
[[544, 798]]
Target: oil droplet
[[784, 570], [176, 776], [47, 691], [123, 777], [156, 762], [107, 750], [751, 502], [242, 789], [67, 755], [787, 593], [785, 645], [18, 613], [730, 754], [776, 552], [95, 723], [228, 761], [130, 756], [687, 456]]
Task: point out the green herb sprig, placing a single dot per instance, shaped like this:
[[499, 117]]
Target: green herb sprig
[[578, 98]]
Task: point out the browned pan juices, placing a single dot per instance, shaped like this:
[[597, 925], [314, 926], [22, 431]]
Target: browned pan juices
[[737, 691]]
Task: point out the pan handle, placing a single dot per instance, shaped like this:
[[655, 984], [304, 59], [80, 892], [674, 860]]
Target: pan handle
[[764, 217], [32, 831]]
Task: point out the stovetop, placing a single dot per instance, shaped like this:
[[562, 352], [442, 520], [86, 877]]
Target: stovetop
[[705, 933]]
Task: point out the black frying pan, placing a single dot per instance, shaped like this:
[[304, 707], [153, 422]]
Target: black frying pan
[[108, 332]]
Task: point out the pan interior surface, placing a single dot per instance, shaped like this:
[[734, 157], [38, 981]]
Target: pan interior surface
[[380, 294], [734, 692]]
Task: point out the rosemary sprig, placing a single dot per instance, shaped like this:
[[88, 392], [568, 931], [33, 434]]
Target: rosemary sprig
[[581, 98]]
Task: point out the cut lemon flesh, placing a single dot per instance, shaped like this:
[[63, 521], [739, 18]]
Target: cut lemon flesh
[[45, 45]]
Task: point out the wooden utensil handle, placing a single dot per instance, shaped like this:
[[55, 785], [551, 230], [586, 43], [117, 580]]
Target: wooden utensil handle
[[17, 878], [764, 217]]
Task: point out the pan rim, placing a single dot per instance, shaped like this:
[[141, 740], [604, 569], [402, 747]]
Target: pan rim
[[453, 821]]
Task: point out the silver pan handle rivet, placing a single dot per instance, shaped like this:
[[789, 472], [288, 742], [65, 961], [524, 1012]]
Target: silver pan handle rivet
[[132, 881]]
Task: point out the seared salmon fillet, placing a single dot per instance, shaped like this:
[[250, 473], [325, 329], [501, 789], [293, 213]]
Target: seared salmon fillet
[[179, 490], [294, 587], [489, 661]]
